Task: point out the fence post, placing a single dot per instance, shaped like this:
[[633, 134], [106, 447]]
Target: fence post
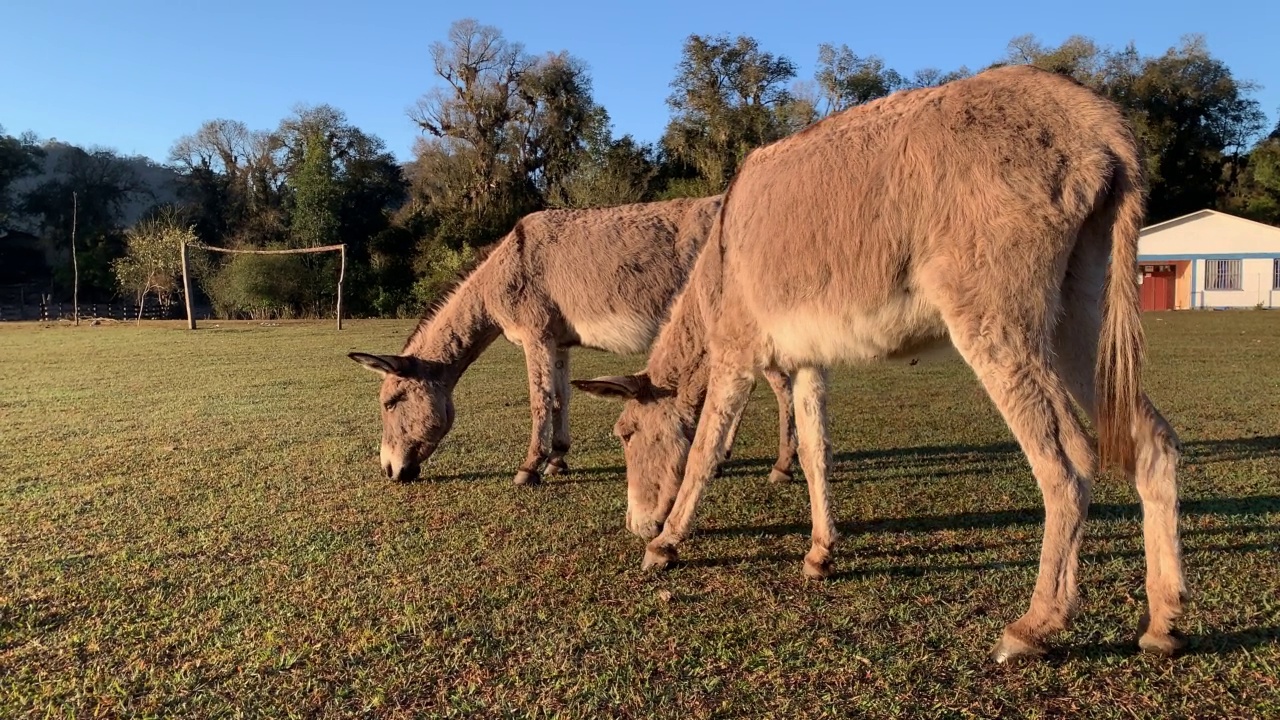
[[342, 273], [186, 289]]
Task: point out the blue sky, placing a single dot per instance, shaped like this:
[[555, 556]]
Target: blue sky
[[135, 75]]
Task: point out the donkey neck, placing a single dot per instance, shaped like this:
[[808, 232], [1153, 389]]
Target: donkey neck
[[456, 334], [678, 362]]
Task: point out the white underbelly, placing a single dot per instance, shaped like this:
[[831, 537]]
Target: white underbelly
[[902, 329], [622, 334]]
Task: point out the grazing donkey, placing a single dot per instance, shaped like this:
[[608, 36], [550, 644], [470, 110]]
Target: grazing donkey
[[601, 278], [983, 212]]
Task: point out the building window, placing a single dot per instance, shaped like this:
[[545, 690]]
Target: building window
[[1222, 275], [1275, 274]]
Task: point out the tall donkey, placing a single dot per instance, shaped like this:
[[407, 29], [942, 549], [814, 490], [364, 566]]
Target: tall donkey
[[983, 212], [601, 278]]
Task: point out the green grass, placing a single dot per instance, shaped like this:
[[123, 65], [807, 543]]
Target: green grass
[[193, 525]]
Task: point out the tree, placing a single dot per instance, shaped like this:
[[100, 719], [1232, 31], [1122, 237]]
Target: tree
[[514, 126], [259, 286], [232, 177], [845, 79], [152, 262], [441, 268], [473, 116], [558, 116], [1194, 119], [315, 202], [609, 171], [314, 180], [1257, 194], [345, 188], [932, 77], [104, 185], [729, 97], [506, 133], [1078, 57], [19, 158]]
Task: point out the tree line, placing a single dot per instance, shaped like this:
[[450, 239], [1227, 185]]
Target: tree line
[[505, 132]]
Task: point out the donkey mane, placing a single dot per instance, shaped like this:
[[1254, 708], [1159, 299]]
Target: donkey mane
[[454, 284]]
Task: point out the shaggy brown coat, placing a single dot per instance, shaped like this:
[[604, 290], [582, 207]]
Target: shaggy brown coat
[[602, 278], [984, 212]]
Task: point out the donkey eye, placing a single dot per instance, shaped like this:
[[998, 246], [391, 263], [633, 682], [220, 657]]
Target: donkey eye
[[393, 401]]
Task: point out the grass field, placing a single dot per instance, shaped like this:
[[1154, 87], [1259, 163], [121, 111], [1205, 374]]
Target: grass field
[[193, 525]]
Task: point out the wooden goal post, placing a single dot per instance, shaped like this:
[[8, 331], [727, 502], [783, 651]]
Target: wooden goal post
[[186, 276]]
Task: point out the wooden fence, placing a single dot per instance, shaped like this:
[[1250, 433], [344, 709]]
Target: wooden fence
[[52, 312]]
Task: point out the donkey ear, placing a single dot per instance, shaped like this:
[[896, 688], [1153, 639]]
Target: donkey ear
[[627, 387], [383, 364]]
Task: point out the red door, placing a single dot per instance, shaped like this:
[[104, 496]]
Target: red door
[[1158, 286]]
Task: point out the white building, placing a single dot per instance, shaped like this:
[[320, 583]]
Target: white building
[[1209, 259]]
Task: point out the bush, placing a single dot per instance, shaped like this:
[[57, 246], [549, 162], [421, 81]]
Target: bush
[[258, 286], [442, 267]]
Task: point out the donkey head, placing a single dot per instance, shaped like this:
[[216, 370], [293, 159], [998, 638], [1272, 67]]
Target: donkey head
[[417, 411], [655, 443]]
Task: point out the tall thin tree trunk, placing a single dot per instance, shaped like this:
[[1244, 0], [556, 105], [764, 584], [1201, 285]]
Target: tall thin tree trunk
[[75, 265]]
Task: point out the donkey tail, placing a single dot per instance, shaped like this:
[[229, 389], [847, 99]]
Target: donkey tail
[[1121, 347]]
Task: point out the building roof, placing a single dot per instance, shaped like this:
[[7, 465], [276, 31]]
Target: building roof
[[1208, 233], [1200, 214]]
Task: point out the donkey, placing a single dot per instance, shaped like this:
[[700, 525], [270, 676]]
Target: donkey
[[601, 278], [982, 212]]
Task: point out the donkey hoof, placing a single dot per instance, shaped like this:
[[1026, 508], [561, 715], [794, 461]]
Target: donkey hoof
[[779, 477], [1166, 644], [1011, 647], [528, 477], [658, 557], [817, 567], [557, 466]]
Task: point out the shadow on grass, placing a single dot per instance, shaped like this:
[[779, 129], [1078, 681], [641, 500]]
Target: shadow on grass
[[1212, 643], [934, 461], [575, 476], [16, 629], [1219, 643], [1228, 507], [947, 460], [916, 570]]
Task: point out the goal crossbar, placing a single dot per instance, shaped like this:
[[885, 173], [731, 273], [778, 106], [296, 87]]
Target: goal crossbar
[[186, 276]]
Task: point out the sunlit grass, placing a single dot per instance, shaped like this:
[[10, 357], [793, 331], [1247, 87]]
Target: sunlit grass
[[193, 525]]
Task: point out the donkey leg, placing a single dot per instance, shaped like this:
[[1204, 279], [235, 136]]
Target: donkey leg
[[538, 355], [1019, 377], [1156, 478], [781, 385], [815, 458], [726, 446], [1155, 472], [556, 464], [727, 395]]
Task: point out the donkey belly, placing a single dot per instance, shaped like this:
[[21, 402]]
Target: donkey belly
[[904, 328], [623, 334]]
